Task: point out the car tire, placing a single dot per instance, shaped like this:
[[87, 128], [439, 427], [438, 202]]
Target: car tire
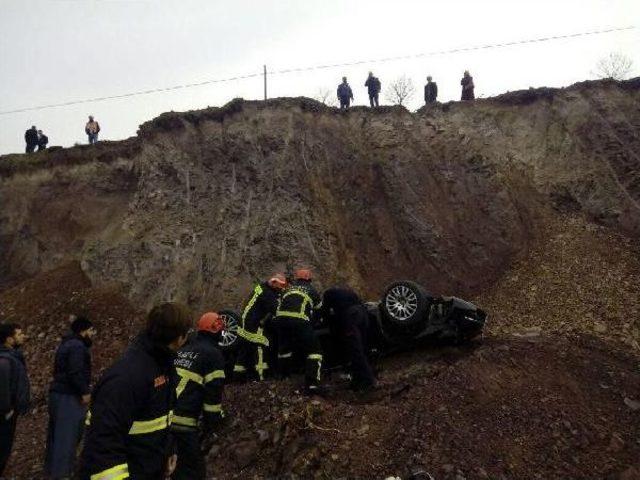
[[405, 304], [230, 340]]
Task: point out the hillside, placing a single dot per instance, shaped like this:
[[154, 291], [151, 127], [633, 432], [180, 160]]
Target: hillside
[[527, 203], [201, 203]]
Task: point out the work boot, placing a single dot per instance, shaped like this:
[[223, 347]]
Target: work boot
[[311, 390]]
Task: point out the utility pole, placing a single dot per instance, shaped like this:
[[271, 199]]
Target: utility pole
[[265, 82]]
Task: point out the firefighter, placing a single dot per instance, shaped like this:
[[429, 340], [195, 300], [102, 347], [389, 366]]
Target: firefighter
[[298, 309], [349, 323], [200, 373], [250, 362], [127, 434]]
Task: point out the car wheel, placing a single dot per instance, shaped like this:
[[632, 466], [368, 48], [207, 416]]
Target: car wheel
[[405, 304], [229, 340]]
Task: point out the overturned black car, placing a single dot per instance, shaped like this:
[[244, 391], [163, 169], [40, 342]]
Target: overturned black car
[[405, 316]]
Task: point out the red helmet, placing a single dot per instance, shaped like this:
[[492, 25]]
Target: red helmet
[[277, 281], [302, 274], [210, 322]]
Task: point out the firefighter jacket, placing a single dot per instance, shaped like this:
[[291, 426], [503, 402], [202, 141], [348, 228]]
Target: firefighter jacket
[[127, 434], [200, 382], [261, 307], [300, 300]]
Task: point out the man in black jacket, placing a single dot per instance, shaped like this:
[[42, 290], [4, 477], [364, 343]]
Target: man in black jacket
[[31, 139], [298, 308], [430, 91], [69, 397], [345, 94], [373, 87], [349, 323], [128, 434], [467, 86], [200, 368], [15, 390], [43, 140], [261, 307]]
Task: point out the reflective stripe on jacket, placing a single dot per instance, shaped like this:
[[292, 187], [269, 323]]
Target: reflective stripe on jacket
[[200, 373], [131, 409], [300, 300], [258, 310]]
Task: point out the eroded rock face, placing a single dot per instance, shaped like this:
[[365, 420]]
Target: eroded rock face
[[202, 203]]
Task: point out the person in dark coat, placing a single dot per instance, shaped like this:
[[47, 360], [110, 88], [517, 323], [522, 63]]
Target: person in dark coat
[[467, 86], [373, 88], [31, 139], [345, 94], [69, 396], [131, 406], [261, 307], [42, 140], [430, 91], [198, 412], [349, 323], [15, 389]]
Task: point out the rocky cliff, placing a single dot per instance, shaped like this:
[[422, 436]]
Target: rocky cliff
[[201, 203]]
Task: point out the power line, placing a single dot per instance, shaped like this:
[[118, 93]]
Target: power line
[[322, 67], [456, 50]]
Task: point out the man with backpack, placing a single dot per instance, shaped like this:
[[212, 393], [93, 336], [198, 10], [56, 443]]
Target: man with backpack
[[345, 94], [15, 389], [373, 87]]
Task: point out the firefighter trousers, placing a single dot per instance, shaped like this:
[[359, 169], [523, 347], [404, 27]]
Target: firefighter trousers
[[296, 335], [191, 463]]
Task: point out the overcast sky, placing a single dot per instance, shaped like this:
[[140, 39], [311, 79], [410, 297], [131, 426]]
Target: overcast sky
[[53, 51]]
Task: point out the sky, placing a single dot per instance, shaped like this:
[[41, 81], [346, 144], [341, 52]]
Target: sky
[[55, 51]]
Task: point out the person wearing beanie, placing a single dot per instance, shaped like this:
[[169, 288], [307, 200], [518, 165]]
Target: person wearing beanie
[[69, 396], [198, 412]]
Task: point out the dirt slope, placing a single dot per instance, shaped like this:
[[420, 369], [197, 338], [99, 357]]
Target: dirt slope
[[541, 397], [527, 202], [202, 202]]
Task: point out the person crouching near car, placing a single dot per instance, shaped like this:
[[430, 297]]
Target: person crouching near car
[[198, 412], [349, 323], [131, 406], [69, 397]]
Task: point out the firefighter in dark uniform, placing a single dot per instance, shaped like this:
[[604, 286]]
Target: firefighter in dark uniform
[[131, 406], [298, 309], [200, 372], [251, 362], [349, 323]]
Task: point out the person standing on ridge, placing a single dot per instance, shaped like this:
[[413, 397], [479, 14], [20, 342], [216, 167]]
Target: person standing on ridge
[[131, 406], [15, 389], [430, 91], [31, 139], [200, 368], [345, 94], [467, 86], [42, 140], [92, 129], [261, 307], [373, 87], [69, 397], [298, 308]]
